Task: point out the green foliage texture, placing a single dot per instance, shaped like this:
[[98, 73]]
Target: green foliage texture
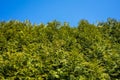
[[56, 51]]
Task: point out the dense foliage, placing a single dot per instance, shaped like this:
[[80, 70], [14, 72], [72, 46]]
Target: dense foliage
[[58, 51]]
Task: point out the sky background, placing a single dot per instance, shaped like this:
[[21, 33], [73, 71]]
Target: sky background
[[72, 11]]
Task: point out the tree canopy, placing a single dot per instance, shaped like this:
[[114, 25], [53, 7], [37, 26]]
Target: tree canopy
[[56, 51]]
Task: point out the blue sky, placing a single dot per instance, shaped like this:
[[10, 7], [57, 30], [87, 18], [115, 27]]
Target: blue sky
[[71, 11]]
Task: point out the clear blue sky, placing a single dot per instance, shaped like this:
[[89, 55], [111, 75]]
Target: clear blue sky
[[71, 11]]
